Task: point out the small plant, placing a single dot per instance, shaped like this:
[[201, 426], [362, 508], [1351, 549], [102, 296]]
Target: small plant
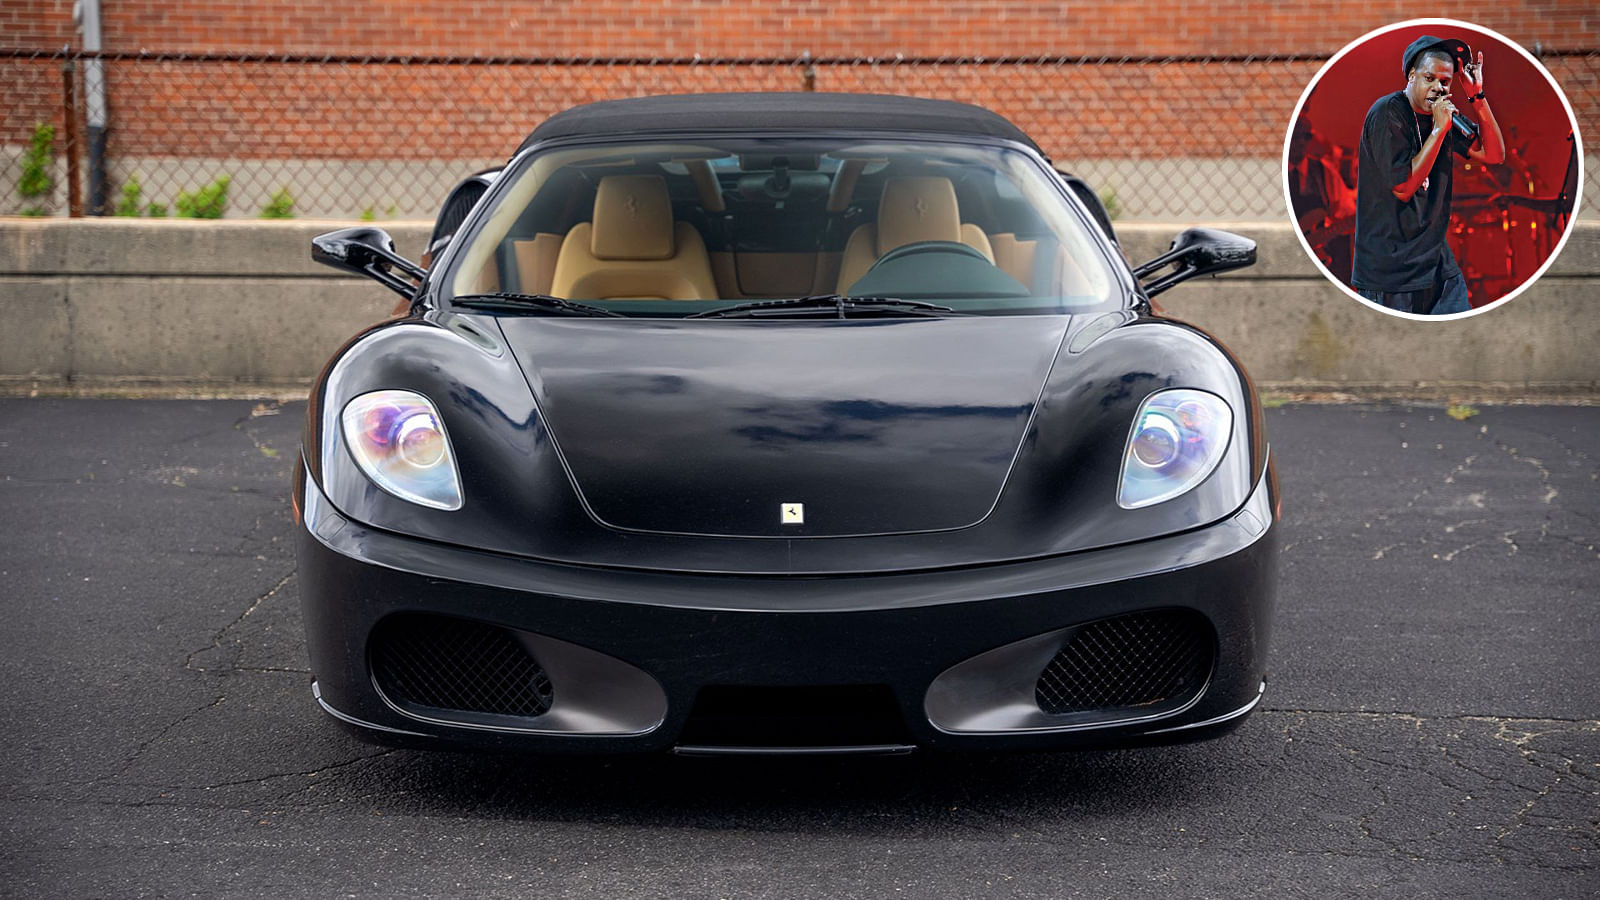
[[38, 161], [208, 202], [1461, 411], [132, 198], [1113, 208], [281, 206], [156, 211], [368, 214]]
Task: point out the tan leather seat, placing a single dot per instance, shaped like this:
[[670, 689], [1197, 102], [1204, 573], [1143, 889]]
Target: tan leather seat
[[913, 209], [633, 249]]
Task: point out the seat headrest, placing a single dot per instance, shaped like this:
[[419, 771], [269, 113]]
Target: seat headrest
[[632, 218], [913, 209]]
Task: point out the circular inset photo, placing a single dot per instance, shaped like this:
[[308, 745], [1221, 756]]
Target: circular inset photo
[[1433, 169]]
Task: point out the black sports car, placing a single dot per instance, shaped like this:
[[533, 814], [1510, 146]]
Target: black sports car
[[784, 423]]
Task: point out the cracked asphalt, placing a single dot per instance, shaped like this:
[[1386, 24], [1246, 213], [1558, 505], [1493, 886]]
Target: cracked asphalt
[[1431, 728]]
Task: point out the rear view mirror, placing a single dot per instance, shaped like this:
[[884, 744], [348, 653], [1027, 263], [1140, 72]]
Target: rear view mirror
[[1197, 251], [368, 251]]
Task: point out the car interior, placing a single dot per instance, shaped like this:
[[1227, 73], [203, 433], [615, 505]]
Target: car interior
[[750, 226]]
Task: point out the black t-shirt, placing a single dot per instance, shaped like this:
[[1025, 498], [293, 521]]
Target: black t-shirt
[[1401, 246]]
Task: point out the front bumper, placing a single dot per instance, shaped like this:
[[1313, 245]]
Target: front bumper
[[639, 650]]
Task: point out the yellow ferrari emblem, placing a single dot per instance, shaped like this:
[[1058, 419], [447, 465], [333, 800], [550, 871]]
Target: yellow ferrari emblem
[[793, 513]]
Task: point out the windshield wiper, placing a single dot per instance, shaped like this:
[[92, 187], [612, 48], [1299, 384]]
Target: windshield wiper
[[837, 303], [512, 300]]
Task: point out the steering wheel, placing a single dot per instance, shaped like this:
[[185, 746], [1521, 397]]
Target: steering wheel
[[921, 247]]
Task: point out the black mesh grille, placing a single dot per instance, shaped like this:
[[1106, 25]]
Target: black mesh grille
[[1137, 660], [445, 663]]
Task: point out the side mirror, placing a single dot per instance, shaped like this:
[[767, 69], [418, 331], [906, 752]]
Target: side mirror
[[1197, 251], [1090, 199], [368, 251]]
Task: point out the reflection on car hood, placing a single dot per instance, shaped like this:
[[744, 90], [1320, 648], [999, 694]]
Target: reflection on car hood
[[714, 427]]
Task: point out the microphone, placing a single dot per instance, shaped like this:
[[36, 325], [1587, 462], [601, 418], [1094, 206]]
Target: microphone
[[1465, 127]]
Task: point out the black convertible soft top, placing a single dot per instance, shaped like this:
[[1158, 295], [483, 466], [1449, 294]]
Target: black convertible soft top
[[793, 111]]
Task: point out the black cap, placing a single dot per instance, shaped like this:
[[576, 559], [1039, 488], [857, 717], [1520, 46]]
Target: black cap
[[1455, 48]]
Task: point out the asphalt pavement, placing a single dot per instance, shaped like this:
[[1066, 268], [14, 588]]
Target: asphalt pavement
[[1431, 727]]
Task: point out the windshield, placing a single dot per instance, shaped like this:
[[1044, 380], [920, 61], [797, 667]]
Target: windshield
[[695, 227]]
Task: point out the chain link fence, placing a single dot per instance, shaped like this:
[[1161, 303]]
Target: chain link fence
[[347, 138]]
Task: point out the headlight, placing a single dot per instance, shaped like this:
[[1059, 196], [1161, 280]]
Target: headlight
[[1178, 438], [399, 442]]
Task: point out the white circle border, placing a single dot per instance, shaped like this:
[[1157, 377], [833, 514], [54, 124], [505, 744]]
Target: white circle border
[[1577, 201]]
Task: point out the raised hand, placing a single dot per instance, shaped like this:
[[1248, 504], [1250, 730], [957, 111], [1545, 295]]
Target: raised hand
[[1472, 76]]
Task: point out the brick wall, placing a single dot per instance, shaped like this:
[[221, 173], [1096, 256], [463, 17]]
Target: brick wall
[[31, 92], [231, 111], [273, 111], [278, 112], [745, 28], [36, 24]]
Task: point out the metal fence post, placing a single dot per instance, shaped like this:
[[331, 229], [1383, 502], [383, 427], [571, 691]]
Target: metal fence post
[[70, 107]]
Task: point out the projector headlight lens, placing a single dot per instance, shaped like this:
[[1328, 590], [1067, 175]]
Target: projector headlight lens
[[399, 441], [1178, 438]]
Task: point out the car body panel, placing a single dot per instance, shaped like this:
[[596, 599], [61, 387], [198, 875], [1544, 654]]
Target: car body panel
[[629, 490], [709, 427], [691, 631], [1060, 496]]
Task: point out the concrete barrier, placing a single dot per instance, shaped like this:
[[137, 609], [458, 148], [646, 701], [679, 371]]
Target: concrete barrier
[[108, 305], [1297, 332], [195, 307]]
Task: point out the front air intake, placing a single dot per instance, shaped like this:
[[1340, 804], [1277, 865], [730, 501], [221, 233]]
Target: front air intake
[[1146, 661], [427, 664]]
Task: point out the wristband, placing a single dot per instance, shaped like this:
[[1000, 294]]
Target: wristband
[[1475, 99]]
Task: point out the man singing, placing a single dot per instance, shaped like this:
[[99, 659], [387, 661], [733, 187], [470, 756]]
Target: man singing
[[1403, 181]]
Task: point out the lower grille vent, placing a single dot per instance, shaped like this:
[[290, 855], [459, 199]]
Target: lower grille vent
[[443, 663], [1138, 661]]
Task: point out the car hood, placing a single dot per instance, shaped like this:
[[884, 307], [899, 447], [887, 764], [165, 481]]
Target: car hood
[[723, 428]]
